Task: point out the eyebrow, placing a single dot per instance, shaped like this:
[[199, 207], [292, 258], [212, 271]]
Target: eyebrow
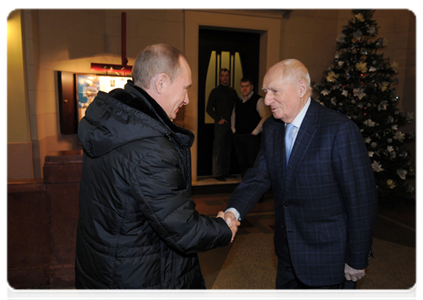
[[270, 88]]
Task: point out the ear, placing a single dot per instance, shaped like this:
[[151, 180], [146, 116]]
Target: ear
[[302, 88], [160, 83]]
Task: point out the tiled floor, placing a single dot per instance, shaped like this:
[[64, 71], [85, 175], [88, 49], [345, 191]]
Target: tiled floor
[[392, 274]]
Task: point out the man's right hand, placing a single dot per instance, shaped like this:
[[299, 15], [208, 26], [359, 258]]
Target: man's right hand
[[230, 219]]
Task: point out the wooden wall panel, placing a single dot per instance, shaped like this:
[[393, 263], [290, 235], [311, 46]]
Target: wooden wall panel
[[28, 237]]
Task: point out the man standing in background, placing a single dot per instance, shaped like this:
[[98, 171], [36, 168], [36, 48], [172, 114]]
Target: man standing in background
[[220, 105], [248, 117]]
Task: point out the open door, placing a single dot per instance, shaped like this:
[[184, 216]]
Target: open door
[[237, 51]]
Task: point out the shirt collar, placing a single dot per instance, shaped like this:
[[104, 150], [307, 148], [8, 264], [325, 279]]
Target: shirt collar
[[248, 97], [300, 117]]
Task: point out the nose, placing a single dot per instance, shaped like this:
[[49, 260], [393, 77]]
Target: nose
[[267, 99], [186, 100]]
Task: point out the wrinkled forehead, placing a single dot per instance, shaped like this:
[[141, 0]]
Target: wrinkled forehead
[[273, 77]]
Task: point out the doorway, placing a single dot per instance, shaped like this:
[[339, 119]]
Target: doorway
[[239, 51]]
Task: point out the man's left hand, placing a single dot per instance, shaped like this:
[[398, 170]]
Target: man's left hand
[[353, 274]]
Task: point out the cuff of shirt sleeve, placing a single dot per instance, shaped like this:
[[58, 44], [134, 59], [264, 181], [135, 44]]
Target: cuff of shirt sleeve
[[235, 212]]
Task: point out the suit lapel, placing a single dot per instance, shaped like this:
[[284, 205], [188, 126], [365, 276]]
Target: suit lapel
[[276, 152], [302, 143]]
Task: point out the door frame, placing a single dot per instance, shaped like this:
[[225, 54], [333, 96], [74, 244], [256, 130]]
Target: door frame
[[247, 45], [269, 29]]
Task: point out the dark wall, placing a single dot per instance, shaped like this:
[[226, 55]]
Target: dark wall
[[28, 251], [42, 219]]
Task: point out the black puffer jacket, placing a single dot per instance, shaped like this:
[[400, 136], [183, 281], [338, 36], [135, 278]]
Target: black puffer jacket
[[138, 227]]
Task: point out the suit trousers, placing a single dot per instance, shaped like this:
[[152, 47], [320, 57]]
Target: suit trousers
[[222, 146], [286, 278], [247, 146]]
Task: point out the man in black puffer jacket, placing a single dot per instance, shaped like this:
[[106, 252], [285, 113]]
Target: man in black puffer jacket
[[138, 227]]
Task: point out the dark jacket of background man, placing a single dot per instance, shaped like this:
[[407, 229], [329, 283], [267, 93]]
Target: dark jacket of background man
[[220, 105]]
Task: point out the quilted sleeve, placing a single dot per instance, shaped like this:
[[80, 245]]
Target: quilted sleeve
[[160, 188]]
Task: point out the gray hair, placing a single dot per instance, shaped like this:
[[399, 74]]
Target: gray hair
[[153, 60], [295, 70]]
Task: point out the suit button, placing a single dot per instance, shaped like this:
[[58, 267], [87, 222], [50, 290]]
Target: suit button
[[285, 204]]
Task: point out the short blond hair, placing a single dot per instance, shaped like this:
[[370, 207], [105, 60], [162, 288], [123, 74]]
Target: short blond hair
[[153, 60]]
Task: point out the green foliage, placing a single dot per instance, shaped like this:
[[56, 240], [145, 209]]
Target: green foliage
[[360, 84]]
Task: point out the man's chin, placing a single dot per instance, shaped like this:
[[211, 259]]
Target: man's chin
[[173, 116], [277, 115]]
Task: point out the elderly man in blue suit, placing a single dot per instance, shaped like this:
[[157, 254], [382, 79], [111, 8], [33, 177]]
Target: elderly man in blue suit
[[317, 165]]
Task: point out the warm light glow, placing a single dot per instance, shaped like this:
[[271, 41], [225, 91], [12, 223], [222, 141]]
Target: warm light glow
[[210, 84], [6, 29], [238, 74], [113, 69], [217, 62], [17, 105], [225, 63]]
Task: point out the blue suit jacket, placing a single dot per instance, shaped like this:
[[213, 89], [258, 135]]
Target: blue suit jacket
[[325, 199]]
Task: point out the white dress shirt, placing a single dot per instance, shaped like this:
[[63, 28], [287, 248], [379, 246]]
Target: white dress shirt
[[299, 120]]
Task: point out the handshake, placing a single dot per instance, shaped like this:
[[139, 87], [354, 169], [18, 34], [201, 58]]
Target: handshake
[[232, 222]]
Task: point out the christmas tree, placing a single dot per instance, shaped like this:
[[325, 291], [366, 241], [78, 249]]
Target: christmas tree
[[360, 84]]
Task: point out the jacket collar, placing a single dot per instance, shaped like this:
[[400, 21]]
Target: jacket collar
[[139, 99], [301, 145]]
